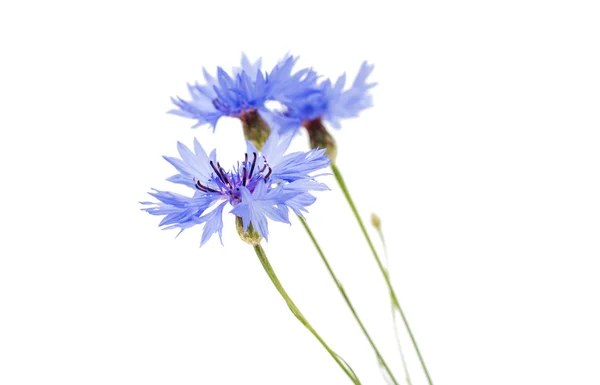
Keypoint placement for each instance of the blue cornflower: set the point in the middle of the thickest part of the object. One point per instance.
(327, 102)
(264, 185)
(244, 93)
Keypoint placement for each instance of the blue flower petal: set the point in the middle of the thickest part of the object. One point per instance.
(256, 207)
(213, 223)
(299, 203)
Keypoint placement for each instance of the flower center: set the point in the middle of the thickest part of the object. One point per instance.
(228, 183)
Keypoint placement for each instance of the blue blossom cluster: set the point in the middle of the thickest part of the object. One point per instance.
(303, 96)
(265, 184)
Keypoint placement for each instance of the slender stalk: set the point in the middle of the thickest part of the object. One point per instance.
(343, 292)
(394, 318)
(340, 180)
(271, 273)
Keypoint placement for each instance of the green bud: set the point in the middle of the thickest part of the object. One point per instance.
(375, 221)
(256, 130)
(249, 236)
(320, 138)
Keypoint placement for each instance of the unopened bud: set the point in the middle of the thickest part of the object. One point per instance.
(256, 130)
(376, 221)
(320, 138)
(249, 236)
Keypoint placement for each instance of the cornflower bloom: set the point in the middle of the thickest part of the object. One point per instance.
(264, 185)
(244, 94)
(328, 102)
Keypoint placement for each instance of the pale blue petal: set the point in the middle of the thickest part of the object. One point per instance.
(213, 223)
(299, 203)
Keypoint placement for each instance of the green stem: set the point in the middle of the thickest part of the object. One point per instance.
(340, 180)
(385, 255)
(343, 292)
(271, 273)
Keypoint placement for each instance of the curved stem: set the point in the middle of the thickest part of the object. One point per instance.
(271, 273)
(340, 180)
(394, 318)
(343, 292)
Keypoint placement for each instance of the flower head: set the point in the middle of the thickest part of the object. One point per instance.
(328, 101)
(263, 186)
(243, 93)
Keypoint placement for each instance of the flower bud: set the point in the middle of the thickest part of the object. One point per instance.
(375, 221)
(250, 236)
(256, 130)
(320, 138)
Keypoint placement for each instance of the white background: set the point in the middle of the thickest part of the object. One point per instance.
(480, 155)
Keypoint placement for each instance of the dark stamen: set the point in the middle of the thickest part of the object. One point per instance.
(268, 174)
(216, 171)
(201, 187)
(224, 174)
(253, 164)
(245, 171)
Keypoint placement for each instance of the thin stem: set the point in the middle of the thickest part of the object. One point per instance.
(394, 318)
(271, 273)
(340, 180)
(343, 292)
